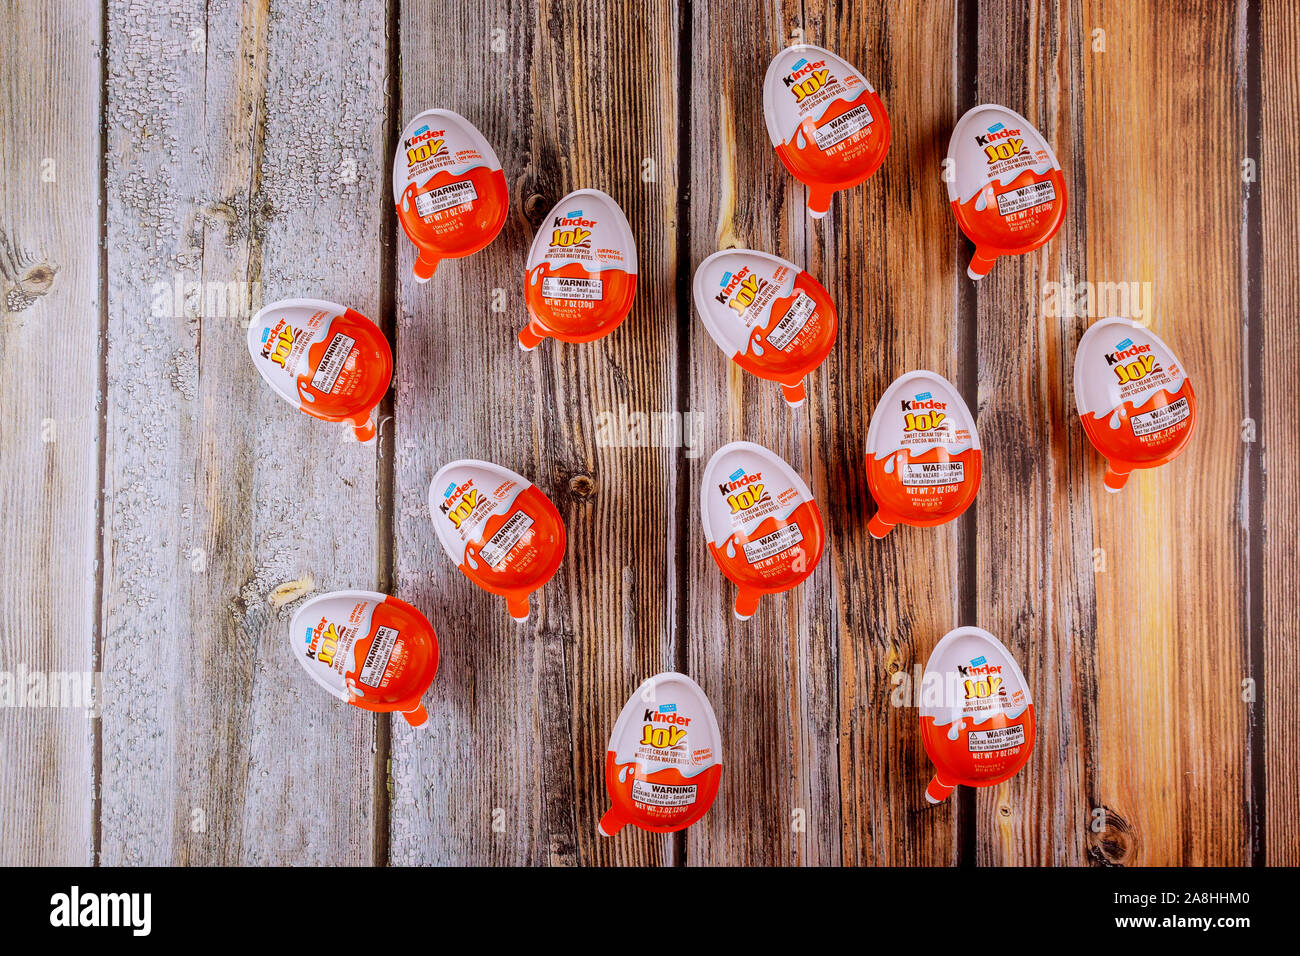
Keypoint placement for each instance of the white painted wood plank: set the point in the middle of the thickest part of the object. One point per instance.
(49, 372)
(245, 145)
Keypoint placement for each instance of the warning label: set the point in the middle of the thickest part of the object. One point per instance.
(1026, 197)
(842, 127)
(981, 741)
(792, 323)
(773, 543)
(663, 794)
(507, 536)
(381, 649)
(933, 473)
(331, 363)
(561, 287)
(1158, 418)
(444, 197)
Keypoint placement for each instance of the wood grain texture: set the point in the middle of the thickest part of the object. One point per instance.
(1135, 669)
(772, 680)
(886, 255)
(1171, 638)
(244, 146)
(805, 709)
(49, 436)
(1034, 571)
(511, 771)
(1279, 301)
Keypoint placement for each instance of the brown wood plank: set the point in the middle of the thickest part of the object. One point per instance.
(49, 440)
(1279, 301)
(1034, 583)
(888, 262)
(804, 706)
(1136, 669)
(579, 95)
(245, 145)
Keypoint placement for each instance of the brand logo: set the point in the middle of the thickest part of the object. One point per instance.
(277, 342)
(743, 490)
(987, 684)
(745, 284)
(922, 413)
(739, 479)
(1144, 362)
(671, 737)
(572, 229)
(131, 910)
(424, 144)
(909, 404)
(1001, 143)
(459, 510)
(807, 79)
(322, 642)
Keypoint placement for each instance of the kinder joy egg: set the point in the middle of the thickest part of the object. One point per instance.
(977, 718)
(581, 272)
(1133, 396)
(328, 360)
(923, 454)
(1008, 192)
(502, 532)
(826, 121)
(761, 522)
(665, 758)
(367, 649)
(449, 189)
(773, 319)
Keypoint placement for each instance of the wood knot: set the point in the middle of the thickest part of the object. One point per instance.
(221, 210)
(38, 279)
(536, 206)
(582, 486)
(1116, 843)
(30, 286)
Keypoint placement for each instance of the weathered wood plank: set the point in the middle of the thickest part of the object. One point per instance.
(49, 439)
(1034, 578)
(805, 709)
(1136, 668)
(887, 259)
(772, 679)
(570, 96)
(1279, 302)
(245, 146)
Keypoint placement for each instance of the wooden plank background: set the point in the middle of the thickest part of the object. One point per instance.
(164, 511)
